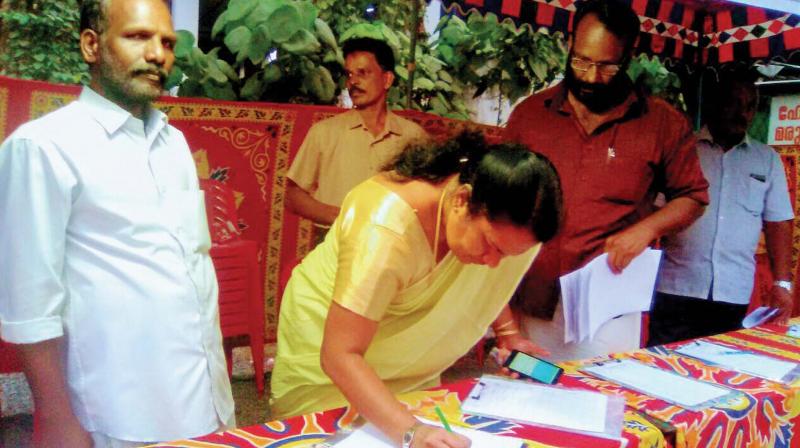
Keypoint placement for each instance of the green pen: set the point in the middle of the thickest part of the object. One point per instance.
(442, 419)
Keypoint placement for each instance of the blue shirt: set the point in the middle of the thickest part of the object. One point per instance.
(747, 185)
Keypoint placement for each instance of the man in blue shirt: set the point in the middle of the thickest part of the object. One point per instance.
(706, 277)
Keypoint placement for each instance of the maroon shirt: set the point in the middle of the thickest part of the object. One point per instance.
(609, 178)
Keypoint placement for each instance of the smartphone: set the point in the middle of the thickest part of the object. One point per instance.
(534, 368)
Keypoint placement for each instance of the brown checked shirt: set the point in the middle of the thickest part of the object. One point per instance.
(609, 178)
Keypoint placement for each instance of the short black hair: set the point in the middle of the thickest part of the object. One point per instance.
(616, 16)
(94, 15)
(381, 50)
(508, 180)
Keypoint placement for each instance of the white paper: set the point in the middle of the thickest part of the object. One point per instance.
(739, 360)
(370, 436)
(758, 316)
(539, 404)
(659, 383)
(794, 331)
(593, 295)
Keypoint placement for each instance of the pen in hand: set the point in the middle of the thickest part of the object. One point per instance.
(440, 414)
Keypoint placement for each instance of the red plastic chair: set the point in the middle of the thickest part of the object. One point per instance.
(241, 298)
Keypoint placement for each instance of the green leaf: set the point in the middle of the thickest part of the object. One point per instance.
(260, 14)
(401, 72)
(260, 43)
(272, 73)
(308, 13)
(303, 42)
(321, 84)
(252, 89)
(175, 77)
(225, 68)
(238, 39)
(325, 33)
(213, 71)
(423, 83)
(284, 23)
(183, 47)
(220, 24)
(238, 9)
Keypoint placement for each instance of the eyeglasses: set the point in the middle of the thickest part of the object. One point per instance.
(603, 68)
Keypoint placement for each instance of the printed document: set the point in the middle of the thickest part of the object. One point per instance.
(739, 360)
(520, 401)
(666, 385)
(370, 436)
(593, 295)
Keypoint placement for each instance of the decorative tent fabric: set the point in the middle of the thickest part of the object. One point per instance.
(696, 33)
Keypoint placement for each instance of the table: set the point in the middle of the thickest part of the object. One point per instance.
(767, 414)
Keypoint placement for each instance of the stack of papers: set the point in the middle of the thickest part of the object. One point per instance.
(370, 436)
(593, 295)
(742, 361)
(571, 409)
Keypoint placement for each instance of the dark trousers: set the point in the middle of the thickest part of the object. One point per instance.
(677, 318)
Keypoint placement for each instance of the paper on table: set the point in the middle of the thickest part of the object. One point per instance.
(370, 436)
(539, 404)
(793, 331)
(739, 360)
(758, 316)
(668, 386)
(593, 295)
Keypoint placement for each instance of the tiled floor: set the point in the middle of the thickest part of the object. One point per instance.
(250, 409)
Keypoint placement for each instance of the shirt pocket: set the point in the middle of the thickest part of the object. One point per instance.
(622, 179)
(752, 199)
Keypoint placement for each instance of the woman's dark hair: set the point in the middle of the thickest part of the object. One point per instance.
(508, 180)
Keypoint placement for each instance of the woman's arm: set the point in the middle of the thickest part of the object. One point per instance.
(347, 337)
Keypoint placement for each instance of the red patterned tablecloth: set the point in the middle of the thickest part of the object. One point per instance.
(305, 430)
(765, 414)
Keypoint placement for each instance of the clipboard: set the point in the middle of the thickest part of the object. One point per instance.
(489, 398)
(653, 381)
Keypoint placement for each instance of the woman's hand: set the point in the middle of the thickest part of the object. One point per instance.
(427, 436)
(505, 344)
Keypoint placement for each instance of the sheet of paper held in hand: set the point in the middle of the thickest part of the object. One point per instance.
(666, 385)
(538, 404)
(741, 361)
(370, 436)
(593, 295)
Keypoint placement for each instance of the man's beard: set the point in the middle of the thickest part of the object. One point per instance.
(598, 97)
(126, 84)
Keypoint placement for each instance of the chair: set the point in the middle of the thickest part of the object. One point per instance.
(241, 298)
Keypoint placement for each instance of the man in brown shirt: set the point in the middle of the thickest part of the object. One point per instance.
(614, 149)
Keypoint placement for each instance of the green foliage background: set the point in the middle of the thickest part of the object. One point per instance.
(39, 40)
(289, 51)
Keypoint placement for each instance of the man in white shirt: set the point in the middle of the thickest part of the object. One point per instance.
(342, 151)
(105, 279)
(706, 276)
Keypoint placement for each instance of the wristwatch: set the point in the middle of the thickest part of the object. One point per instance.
(785, 284)
(408, 436)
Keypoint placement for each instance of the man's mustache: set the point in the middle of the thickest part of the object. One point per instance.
(151, 70)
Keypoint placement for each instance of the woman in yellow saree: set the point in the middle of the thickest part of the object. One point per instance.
(421, 260)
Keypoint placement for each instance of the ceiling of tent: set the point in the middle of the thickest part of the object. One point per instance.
(696, 32)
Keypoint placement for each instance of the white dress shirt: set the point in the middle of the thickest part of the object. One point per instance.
(747, 185)
(104, 240)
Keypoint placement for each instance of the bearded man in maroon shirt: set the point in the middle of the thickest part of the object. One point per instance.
(615, 150)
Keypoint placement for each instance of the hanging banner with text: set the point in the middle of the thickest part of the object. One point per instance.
(784, 121)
